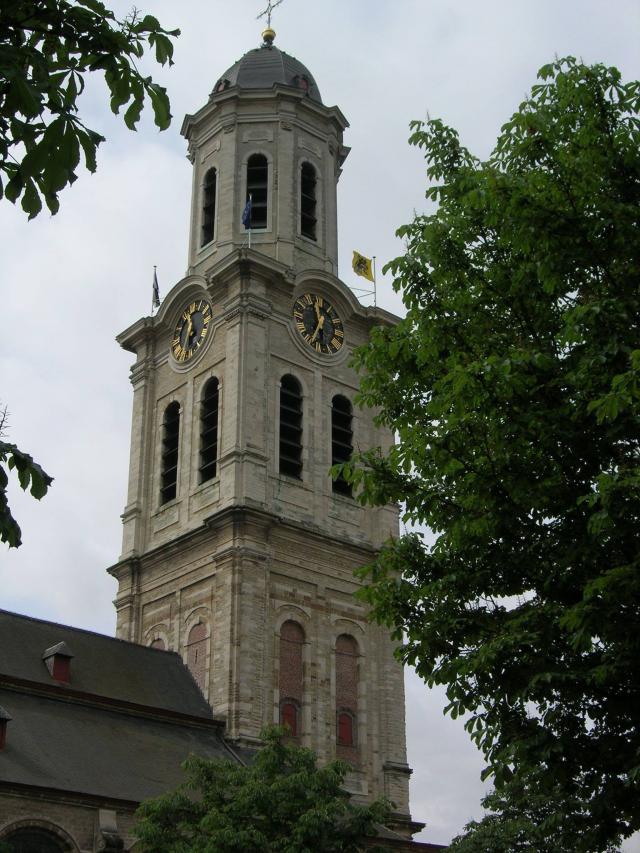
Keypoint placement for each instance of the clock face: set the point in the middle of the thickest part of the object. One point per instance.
(318, 322)
(191, 330)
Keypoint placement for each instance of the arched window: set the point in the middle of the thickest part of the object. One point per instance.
(290, 427)
(257, 189)
(32, 839)
(346, 697)
(208, 206)
(209, 431)
(169, 462)
(341, 439)
(158, 644)
(308, 201)
(197, 653)
(291, 676)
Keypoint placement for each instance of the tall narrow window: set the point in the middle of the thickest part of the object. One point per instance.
(209, 431)
(197, 653)
(290, 427)
(341, 439)
(291, 676)
(257, 188)
(308, 201)
(208, 206)
(346, 697)
(170, 441)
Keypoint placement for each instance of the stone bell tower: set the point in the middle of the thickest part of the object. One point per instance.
(239, 550)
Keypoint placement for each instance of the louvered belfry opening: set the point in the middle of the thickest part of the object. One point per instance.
(257, 188)
(209, 432)
(290, 427)
(308, 201)
(170, 441)
(341, 440)
(208, 206)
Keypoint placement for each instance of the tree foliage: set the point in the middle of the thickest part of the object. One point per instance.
(47, 47)
(513, 385)
(281, 803)
(30, 476)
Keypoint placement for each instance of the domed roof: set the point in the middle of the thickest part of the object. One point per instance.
(265, 66)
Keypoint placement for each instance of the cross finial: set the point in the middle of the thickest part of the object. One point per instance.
(270, 7)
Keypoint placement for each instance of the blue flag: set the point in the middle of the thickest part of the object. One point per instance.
(246, 214)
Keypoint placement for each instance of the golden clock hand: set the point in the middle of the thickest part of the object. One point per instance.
(319, 327)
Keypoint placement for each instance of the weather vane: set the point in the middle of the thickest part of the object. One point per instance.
(270, 7)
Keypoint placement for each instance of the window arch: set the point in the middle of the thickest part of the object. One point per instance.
(308, 219)
(258, 189)
(209, 431)
(197, 653)
(290, 427)
(341, 440)
(208, 206)
(291, 675)
(346, 697)
(158, 643)
(169, 461)
(34, 839)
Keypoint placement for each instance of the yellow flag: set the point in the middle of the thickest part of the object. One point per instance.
(362, 266)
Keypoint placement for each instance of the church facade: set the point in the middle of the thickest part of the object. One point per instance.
(239, 548)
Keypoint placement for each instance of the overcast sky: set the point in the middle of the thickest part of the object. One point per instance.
(70, 283)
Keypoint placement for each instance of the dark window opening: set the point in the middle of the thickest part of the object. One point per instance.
(308, 201)
(290, 427)
(341, 440)
(170, 439)
(209, 432)
(34, 840)
(208, 206)
(257, 189)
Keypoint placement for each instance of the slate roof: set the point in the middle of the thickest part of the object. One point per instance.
(102, 666)
(119, 730)
(265, 66)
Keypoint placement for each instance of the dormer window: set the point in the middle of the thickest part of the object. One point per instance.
(5, 717)
(302, 82)
(58, 661)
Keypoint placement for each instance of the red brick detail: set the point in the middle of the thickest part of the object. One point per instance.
(158, 644)
(345, 729)
(291, 674)
(197, 653)
(289, 717)
(61, 668)
(346, 697)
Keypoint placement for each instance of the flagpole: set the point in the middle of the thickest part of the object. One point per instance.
(375, 296)
(153, 289)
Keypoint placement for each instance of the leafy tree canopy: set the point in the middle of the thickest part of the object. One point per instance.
(30, 476)
(282, 803)
(46, 49)
(513, 385)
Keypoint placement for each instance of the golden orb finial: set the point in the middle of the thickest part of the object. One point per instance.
(268, 36)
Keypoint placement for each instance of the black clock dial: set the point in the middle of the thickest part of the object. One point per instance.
(191, 330)
(318, 322)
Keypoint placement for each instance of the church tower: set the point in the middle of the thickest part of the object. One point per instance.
(239, 550)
